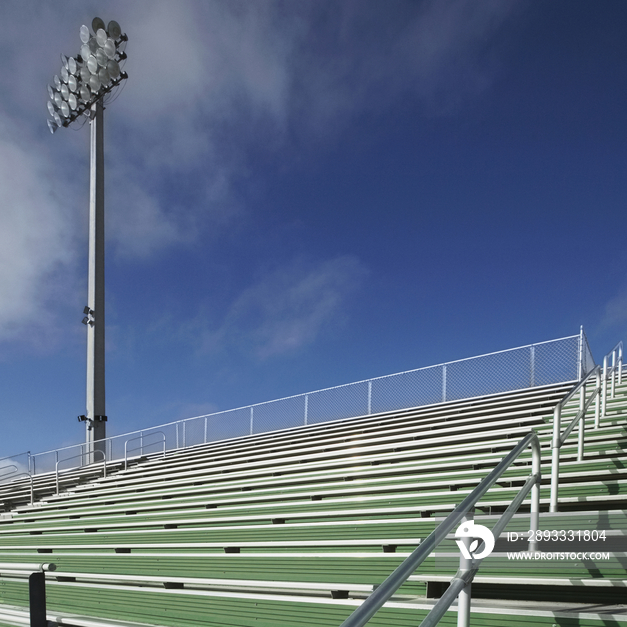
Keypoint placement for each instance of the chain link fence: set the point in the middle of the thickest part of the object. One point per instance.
(545, 363)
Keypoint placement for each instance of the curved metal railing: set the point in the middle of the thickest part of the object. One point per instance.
(60, 461)
(140, 448)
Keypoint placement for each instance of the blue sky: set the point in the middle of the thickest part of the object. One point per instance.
(305, 194)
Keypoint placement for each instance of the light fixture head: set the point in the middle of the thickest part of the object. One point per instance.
(84, 93)
(51, 108)
(84, 33)
(96, 24)
(50, 92)
(101, 57)
(85, 52)
(92, 64)
(104, 77)
(113, 68)
(94, 83)
(52, 126)
(101, 37)
(114, 30)
(72, 66)
(109, 48)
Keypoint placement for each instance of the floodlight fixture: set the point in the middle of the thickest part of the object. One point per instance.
(109, 48)
(101, 37)
(84, 33)
(114, 30)
(81, 88)
(88, 77)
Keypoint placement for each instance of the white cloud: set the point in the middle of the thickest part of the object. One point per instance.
(287, 309)
(36, 243)
(615, 314)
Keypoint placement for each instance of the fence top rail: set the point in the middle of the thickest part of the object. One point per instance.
(304, 394)
(14, 456)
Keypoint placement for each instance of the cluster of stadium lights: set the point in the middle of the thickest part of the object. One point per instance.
(90, 75)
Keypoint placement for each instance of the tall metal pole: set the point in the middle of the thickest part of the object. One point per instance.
(96, 413)
(84, 83)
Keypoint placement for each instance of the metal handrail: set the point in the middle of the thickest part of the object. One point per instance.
(14, 456)
(141, 446)
(21, 474)
(9, 474)
(60, 461)
(600, 394)
(383, 592)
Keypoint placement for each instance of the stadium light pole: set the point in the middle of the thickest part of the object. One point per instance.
(79, 93)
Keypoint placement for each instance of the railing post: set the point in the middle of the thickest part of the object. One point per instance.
(369, 397)
(444, 383)
(464, 597)
(582, 422)
(56, 469)
(597, 403)
(555, 462)
(251, 419)
(614, 374)
(306, 407)
(604, 388)
(532, 363)
(205, 437)
(536, 469)
(620, 363)
(580, 355)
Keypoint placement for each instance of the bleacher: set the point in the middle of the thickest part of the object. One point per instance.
(296, 527)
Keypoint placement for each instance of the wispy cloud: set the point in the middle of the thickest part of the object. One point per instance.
(287, 309)
(615, 314)
(37, 242)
